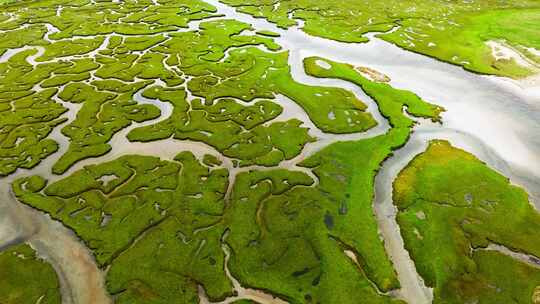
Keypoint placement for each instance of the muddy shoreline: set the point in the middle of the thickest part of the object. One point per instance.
(494, 118)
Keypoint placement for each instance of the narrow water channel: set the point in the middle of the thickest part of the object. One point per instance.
(496, 119)
(493, 118)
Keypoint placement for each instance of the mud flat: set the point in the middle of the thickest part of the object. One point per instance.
(484, 116)
(504, 117)
(81, 281)
(495, 119)
(412, 283)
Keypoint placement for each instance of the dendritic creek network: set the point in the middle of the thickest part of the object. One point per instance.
(269, 151)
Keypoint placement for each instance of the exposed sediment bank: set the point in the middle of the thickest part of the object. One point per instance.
(496, 119)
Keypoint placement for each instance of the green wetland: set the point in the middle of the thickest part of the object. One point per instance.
(173, 151)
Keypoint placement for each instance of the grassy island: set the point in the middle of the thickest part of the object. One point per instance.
(465, 33)
(455, 215)
(26, 279)
(287, 233)
(242, 197)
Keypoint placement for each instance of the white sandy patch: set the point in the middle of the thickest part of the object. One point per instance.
(528, 86)
(323, 64)
(502, 51)
(522, 257)
(373, 74)
(531, 81)
(533, 51)
(106, 179)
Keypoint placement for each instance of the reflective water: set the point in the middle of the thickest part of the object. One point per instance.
(496, 119)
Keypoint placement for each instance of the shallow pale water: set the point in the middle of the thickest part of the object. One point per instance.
(495, 119)
(505, 116)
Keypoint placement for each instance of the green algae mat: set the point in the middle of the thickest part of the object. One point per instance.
(81, 82)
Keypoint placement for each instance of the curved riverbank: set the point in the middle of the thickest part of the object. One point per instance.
(495, 121)
(80, 279)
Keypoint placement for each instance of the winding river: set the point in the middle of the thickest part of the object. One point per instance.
(496, 119)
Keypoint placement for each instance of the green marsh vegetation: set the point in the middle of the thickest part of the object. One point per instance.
(149, 212)
(347, 169)
(287, 234)
(452, 31)
(29, 114)
(101, 116)
(233, 129)
(303, 239)
(391, 102)
(26, 117)
(452, 207)
(26, 279)
(215, 62)
(145, 207)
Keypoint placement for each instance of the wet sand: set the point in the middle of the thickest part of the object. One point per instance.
(494, 118)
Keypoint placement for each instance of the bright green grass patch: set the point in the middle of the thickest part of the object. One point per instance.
(233, 129)
(105, 84)
(69, 48)
(251, 73)
(150, 212)
(17, 38)
(267, 214)
(391, 102)
(337, 212)
(264, 74)
(101, 116)
(466, 44)
(286, 236)
(26, 279)
(26, 117)
(82, 18)
(451, 206)
(177, 214)
(268, 33)
(171, 218)
(452, 31)
(347, 170)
